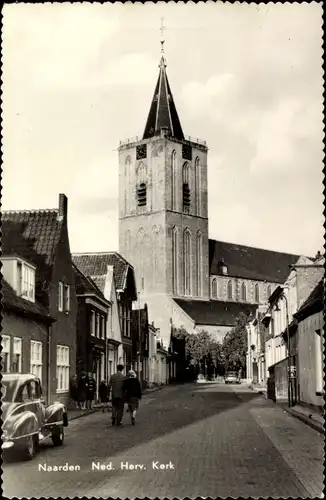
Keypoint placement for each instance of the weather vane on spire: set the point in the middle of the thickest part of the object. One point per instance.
(162, 34)
(162, 38)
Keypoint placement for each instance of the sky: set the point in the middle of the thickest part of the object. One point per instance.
(247, 78)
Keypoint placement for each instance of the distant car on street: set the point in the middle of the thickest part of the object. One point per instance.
(232, 377)
(26, 419)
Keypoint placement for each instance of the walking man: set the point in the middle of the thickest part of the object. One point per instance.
(116, 383)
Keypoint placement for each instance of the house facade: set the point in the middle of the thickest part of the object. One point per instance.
(37, 265)
(140, 339)
(92, 320)
(284, 303)
(115, 278)
(308, 335)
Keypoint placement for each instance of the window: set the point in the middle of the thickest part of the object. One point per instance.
(319, 361)
(97, 326)
(141, 151)
(186, 152)
(67, 298)
(214, 288)
(175, 260)
(141, 268)
(155, 252)
(187, 262)
(230, 290)
(185, 188)
(62, 368)
(141, 185)
(26, 281)
(197, 186)
(127, 183)
(199, 263)
(103, 327)
(92, 323)
(269, 291)
(36, 359)
(5, 354)
(173, 181)
(243, 292)
(256, 292)
(17, 355)
(60, 306)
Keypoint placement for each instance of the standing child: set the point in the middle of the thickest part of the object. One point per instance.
(103, 394)
(91, 389)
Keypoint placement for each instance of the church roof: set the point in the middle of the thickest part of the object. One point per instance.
(214, 312)
(249, 262)
(163, 113)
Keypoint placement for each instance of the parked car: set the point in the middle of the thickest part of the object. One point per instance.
(232, 377)
(27, 420)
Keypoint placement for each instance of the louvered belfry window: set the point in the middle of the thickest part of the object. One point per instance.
(142, 195)
(185, 188)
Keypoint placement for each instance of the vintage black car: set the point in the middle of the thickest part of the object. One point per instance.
(26, 419)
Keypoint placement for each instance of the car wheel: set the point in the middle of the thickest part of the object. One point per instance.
(30, 447)
(58, 436)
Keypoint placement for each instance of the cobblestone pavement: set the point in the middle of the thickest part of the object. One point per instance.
(216, 440)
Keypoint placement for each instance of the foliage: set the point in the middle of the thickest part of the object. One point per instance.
(199, 346)
(234, 346)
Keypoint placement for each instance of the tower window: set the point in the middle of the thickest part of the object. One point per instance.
(142, 194)
(185, 188)
(141, 151)
(186, 152)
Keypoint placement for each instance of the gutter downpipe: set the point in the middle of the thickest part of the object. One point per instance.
(49, 366)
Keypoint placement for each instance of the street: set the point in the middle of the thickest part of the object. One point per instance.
(190, 440)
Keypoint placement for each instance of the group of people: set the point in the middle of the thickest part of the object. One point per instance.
(123, 390)
(120, 390)
(83, 390)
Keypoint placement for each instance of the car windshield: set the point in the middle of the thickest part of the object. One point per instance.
(231, 374)
(9, 390)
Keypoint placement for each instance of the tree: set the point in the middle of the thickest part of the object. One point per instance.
(201, 349)
(234, 347)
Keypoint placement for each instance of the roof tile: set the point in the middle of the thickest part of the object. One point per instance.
(214, 312)
(249, 262)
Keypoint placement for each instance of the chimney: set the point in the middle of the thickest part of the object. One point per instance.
(63, 206)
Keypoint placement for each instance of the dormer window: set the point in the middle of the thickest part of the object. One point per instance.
(26, 281)
(223, 267)
(20, 275)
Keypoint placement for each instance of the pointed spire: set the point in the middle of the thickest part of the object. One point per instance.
(163, 113)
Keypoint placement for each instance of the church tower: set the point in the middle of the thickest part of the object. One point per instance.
(163, 219)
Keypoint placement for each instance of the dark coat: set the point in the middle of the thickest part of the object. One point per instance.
(132, 388)
(103, 392)
(91, 385)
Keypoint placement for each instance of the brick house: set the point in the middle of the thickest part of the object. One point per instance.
(92, 318)
(38, 275)
(96, 265)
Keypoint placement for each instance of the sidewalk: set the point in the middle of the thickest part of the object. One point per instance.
(306, 415)
(74, 413)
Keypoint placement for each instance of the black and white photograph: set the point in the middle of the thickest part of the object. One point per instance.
(162, 250)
